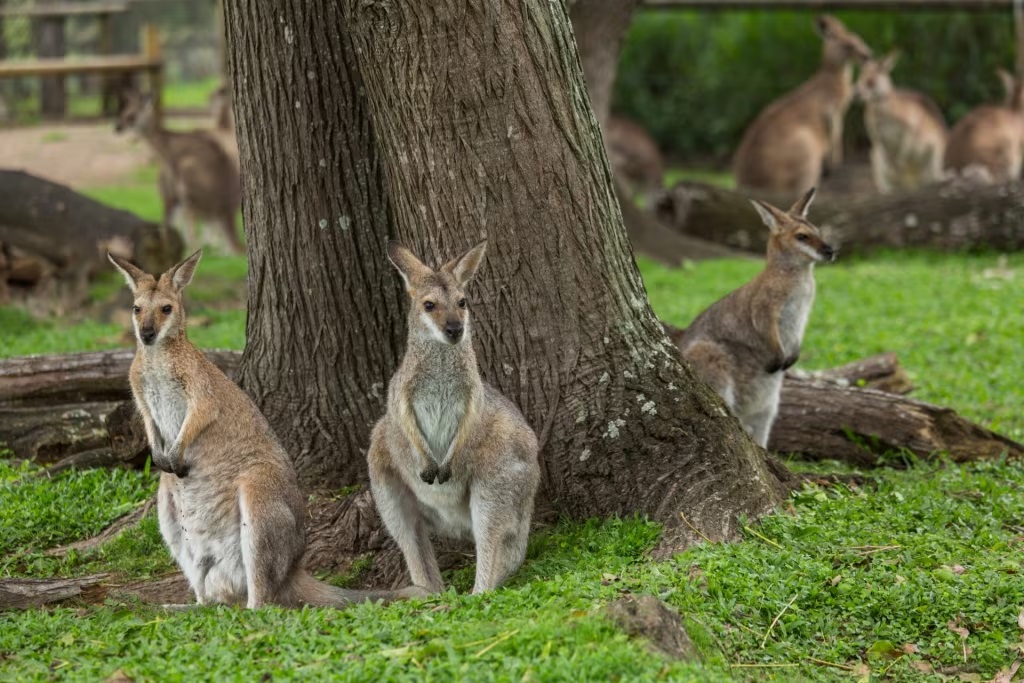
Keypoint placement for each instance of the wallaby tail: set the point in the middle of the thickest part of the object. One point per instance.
(310, 591)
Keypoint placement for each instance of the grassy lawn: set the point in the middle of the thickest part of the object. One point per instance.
(841, 585)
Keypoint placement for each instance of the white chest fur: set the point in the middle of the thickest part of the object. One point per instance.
(439, 409)
(794, 314)
(165, 398)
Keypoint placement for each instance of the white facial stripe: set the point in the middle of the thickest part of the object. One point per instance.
(436, 332)
(810, 251)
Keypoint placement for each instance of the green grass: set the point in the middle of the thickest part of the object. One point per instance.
(873, 578)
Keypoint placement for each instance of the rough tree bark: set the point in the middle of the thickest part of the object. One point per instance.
(485, 129)
(324, 327)
(954, 216)
(600, 27)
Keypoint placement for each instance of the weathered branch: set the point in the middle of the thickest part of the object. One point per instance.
(26, 593)
(954, 216)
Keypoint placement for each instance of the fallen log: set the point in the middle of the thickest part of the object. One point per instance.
(56, 239)
(841, 414)
(27, 593)
(957, 215)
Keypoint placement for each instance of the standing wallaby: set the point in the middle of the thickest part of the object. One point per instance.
(907, 130)
(195, 173)
(451, 456)
(988, 142)
(223, 130)
(742, 344)
(229, 505)
(634, 157)
(796, 137)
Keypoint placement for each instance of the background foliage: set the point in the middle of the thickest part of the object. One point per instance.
(695, 80)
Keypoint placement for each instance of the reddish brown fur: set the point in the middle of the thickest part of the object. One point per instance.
(989, 141)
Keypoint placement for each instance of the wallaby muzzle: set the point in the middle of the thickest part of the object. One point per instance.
(453, 331)
(147, 334)
(827, 252)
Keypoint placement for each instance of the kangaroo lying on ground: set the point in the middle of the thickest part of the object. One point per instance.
(988, 142)
(196, 174)
(634, 157)
(229, 505)
(907, 130)
(794, 138)
(742, 344)
(452, 456)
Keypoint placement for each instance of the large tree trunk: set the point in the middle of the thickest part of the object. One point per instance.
(324, 327)
(953, 216)
(485, 129)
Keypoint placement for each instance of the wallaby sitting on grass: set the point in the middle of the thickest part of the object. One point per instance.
(196, 174)
(988, 142)
(229, 505)
(907, 130)
(452, 456)
(742, 344)
(789, 144)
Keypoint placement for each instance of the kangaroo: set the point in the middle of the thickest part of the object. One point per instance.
(451, 456)
(799, 135)
(741, 344)
(988, 141)
(195, 172)
(223, 130)
(634, 156)
(229, 505)
(907, 130)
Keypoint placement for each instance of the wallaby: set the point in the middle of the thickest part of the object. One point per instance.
(907, 130)
(229, 505)
(988, 142)
(196, 174)
(798, 136)
(634, 156)
(741, 344)
(223, 130)
(451, 456)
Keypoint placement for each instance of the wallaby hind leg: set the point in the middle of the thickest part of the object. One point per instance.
(230, 228)
(501, 515)
(269, 540)
(404, 521)
(713, 365)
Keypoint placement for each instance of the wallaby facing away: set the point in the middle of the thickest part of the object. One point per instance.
(788, 145)
(451, 456)
(195, 173)
(229, 506)
(741, 344)
(988, 142)
(907, 130)
(634, 156)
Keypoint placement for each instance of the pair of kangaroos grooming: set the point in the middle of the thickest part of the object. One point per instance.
(451, 456)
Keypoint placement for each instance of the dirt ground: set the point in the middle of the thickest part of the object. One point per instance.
(76, 154)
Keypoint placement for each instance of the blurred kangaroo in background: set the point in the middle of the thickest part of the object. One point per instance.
(223, 130)
(196, 175)
(229, 505)
(451, 456)
(634, 157)
(907, 130)
(797, 136)
(988, 142)
(742, 344)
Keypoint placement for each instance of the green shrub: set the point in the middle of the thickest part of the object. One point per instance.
(697, 79)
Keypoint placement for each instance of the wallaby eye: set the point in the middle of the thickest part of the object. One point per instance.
(462, 303)
(802, 237)
(167, 310)
(136, 309)
(428, 305)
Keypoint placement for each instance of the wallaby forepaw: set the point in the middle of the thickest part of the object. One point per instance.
(444, 473)
(790, 361)
(430, 473)
(775, 366)
(182, 470)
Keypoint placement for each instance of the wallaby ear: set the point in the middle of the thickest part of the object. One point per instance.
(801, 206)
(822, 24)
(132, 274)
(465, 267)
(890, 60)
(410, 267)
(769, 214)
(181, 274)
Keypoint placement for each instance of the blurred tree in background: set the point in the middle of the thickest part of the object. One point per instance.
(696, 79)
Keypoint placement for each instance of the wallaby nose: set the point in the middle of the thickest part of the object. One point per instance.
(828, 252)
(147, 334)
(453, 330)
